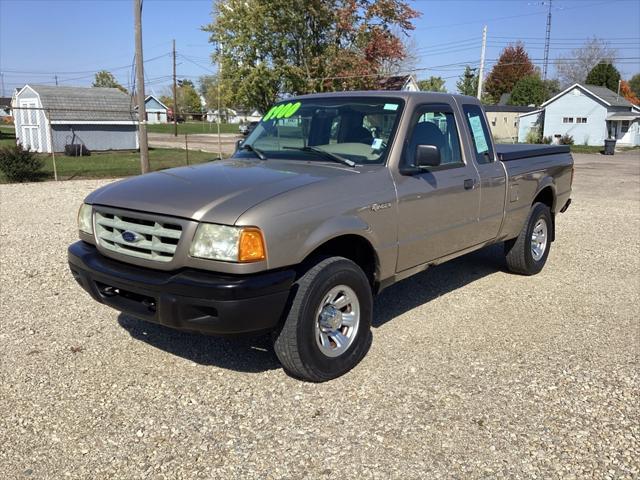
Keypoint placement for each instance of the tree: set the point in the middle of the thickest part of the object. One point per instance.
(432, 84)
(467, 84)
(188, 98)
(273, 48)
(634, 84)
(574, 67)
(604, 75)
(208, 88)
(106, 79)
(530, 90)
(514, 63)
(626, 92)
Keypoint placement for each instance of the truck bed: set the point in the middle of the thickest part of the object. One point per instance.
(508, 152)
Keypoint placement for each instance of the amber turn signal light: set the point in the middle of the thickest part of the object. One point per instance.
(252, 247)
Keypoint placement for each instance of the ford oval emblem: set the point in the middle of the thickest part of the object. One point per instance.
(131, 237)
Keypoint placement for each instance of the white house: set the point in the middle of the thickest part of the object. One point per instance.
(527, 122)
(405, 83)
(47, 118)
(155, 109)
(590, 114)
(229, 115)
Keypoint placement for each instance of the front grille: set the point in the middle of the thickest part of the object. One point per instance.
(138, 237)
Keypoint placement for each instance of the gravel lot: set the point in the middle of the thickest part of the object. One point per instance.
(473, 372)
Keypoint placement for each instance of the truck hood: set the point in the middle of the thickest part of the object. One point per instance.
(217, 192)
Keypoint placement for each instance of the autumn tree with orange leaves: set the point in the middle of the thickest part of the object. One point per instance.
(271, 48)
(626, 92)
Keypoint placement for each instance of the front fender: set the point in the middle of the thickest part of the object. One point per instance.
(335, 227)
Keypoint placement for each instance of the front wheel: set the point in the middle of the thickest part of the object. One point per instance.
(327, 329)
(528, 253)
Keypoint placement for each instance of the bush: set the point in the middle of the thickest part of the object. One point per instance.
(547, 140)
(20, 165)
(566, 139)
(533, 136)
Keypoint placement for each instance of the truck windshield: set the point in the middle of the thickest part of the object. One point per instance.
(356, 129)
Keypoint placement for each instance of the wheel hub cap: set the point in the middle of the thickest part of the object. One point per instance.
(337, 321)
(330, 318)
(539, 239)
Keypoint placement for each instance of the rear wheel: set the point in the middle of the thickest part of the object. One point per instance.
(527, 254)
(327, 329)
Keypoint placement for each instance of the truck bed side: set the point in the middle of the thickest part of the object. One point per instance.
(535, 173)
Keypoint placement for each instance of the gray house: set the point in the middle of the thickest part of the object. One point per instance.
(50, 117)
(5, 107)
(588, 113)
(156, 110)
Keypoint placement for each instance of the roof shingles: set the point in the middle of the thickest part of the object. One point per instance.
(86, 104)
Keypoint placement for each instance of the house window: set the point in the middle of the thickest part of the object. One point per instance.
(505, 119)
(567, 120)
(625, 126)
(493, 121)
(581, 119)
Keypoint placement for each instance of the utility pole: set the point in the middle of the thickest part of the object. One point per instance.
(175, 94)
(142, 114)
(219, 101)
(482, 54)
(547, 41)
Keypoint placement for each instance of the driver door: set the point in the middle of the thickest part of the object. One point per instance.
(438, 206)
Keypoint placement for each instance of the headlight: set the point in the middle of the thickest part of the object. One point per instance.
(85, 222)
(231, 244)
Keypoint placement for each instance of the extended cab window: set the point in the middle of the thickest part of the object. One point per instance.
(479, 133)
(436, 128)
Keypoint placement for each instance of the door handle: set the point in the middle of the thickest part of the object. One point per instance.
(469, 183)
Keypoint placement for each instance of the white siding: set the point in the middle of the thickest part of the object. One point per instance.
(525, 124)
(577, 105)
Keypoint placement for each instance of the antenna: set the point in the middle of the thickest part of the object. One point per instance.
(547, 40)
(547, 37)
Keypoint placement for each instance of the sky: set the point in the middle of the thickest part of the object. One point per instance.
(42, 39)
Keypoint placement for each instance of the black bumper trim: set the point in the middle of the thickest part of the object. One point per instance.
(186, 299)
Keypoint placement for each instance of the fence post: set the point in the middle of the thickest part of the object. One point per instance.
(53, 150)
(186, 147)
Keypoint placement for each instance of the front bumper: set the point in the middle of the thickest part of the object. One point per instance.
(186, 299)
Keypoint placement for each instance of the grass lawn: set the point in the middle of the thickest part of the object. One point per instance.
(7, 135)
(193, 127)
(586, 149)
(121, 164)
(117, 164)
(108, 164)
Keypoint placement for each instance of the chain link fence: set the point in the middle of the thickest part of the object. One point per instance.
(81, 142)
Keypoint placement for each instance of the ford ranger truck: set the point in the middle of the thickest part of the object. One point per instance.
(331, 199)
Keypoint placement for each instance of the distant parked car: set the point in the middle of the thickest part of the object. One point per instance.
(247, 128)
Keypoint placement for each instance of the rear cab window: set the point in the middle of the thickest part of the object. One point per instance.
(480, 134)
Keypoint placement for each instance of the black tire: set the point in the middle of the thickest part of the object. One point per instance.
(518, 252)
(296, 345)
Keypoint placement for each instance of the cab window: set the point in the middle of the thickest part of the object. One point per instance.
(436, 128)
(480, 134)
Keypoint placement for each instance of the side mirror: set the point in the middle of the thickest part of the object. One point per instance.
(239, 144)
(427, 156)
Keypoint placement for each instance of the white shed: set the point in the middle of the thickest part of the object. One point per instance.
(47, 118)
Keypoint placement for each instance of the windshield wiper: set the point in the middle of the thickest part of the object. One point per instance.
(333, 156)
(259, 153)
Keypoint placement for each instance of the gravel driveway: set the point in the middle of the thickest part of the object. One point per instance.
(473, 372)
